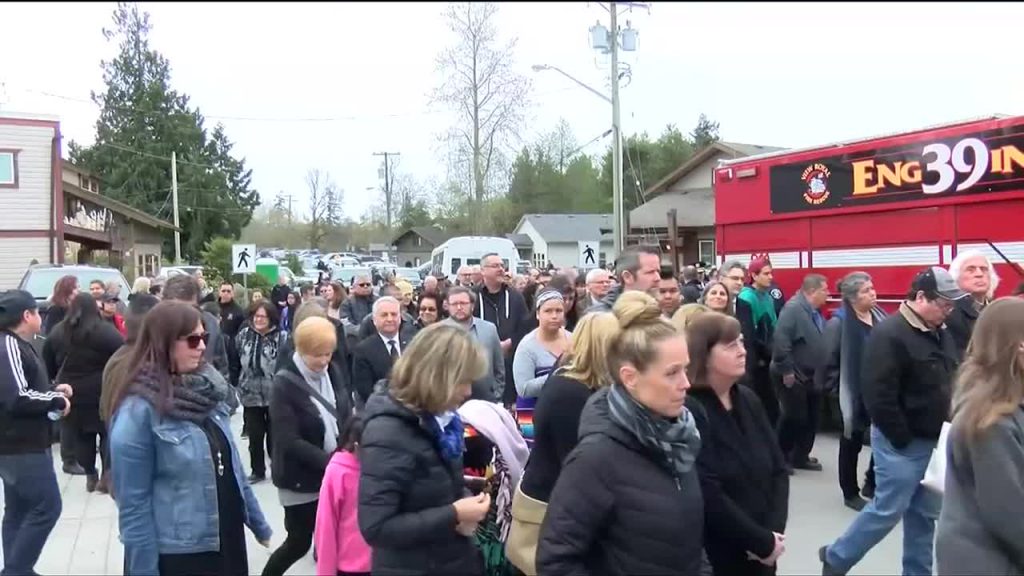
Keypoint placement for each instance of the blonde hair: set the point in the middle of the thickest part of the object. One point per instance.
(990, 384)
(587, 360)
(314, 336)
(641, 328)
(685, 315)
(439, 359)
(141, 285)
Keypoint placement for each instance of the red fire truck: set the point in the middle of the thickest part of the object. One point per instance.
(888, 205)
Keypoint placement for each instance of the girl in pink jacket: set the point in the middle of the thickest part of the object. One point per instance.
(340, 548)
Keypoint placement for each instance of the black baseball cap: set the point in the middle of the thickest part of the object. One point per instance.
(13, 305)
(937, 281)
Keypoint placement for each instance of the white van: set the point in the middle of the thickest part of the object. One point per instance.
(460, 251)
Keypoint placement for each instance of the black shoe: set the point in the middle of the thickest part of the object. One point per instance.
(257, 478)
(91, 480)
(74, 468)
(813, 460)
(856, 503)
(813, 466)
(826, 568)
(868, 491)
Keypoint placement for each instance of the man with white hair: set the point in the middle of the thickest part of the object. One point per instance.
(464, 277)
(599, 282)
(373, 357)
(975, 275)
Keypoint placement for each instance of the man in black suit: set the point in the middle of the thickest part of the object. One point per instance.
(373, 357)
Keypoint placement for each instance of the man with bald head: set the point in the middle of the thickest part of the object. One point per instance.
(464, 277)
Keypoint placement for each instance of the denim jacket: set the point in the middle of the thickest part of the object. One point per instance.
(166, 491)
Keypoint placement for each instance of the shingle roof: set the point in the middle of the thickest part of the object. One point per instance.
(569, 227)
(732, 149)
(431, 234)
(520, 240)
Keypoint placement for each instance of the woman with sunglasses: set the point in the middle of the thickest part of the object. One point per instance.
(429, 311)
(183, 500)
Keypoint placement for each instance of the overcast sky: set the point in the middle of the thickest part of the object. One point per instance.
(773, 74)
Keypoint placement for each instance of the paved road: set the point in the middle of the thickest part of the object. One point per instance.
(85, 539)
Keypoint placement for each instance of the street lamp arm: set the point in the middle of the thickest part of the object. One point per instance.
(579, 83)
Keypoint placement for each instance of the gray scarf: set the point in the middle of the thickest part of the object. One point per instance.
(193, 396)
(677, 440)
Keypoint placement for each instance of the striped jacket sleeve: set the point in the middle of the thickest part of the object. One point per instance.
(15, 392)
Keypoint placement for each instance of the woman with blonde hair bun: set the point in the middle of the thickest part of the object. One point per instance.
(637, 453)
(979, 529)
(685, 315)
(412, 511)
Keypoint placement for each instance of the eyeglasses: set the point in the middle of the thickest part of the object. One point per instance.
(193, 340)
(363, 284)
(427, 309)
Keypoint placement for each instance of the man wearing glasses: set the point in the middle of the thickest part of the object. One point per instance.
(910, 361)
(504, 307)
(359, 304)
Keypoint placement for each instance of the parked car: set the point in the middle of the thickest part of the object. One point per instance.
(345, 275)
(411, 275)
(189, 269)
(40, 279)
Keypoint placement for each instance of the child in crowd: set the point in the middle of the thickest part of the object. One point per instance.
(340, 548)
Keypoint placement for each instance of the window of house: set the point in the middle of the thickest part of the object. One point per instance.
(540, 260)
(706, 251)
(8, 168)
(417, 262)
(419, 241)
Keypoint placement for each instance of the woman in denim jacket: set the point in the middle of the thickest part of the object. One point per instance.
(182, 495)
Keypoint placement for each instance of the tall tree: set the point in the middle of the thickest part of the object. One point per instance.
(482, 87)
(142, 121)
(705, 133)
(324, 206)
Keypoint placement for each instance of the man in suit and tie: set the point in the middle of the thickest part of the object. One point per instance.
(373, 357)
(461, 301)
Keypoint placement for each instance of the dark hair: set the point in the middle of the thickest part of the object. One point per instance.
(629, 259)
(271, 310)
(666, 273)
(62, 290)
(183, 288)
(138, 307)
(82, 320)
(100, 282)
(227, 283)
(429, 296)
(156, 289)
(461, 290)
(351, 433)
(168, 322)
(702, 333)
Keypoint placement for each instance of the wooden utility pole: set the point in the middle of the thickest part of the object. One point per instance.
(673, 234)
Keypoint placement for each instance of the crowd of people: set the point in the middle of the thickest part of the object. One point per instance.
(608, 422)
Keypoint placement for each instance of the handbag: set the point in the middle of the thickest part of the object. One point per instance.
(935, 476)
(524, 532)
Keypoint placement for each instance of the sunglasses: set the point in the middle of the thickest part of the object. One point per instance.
(363, 284)
(427, 309)
(193, 340)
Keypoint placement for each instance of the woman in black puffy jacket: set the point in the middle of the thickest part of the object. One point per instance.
(628, 499)
(414, 509)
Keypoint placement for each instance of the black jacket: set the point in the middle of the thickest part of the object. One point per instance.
(691, 292)
(960, 324)
(798, 344)
(406, 492)
(907, 377)
(26, 395)
(556, 425)
(371, 362)
(54, 315)
(232, 318)
(83, 367)
(743, 478)
(367, 328)
(297, 433)
(616, 509)
(508, 312)
(355, 308)
(280, 294)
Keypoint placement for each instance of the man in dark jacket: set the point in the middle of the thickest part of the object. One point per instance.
(28, 403)
(637, 268)
(359, 304)
(279, 294)
(692, 287)
(907, 377)
(974, 274)
(798, 353)
(232, 318)
(373, 358)
(506, 309)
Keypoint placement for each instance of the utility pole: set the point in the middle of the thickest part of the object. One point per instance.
(174, 197)
(289, 197)
(617, 211)
(387, 183)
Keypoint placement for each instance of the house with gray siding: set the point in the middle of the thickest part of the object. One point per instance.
(556, 237)
(414, 245)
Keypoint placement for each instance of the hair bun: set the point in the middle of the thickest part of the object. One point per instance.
(636, 309)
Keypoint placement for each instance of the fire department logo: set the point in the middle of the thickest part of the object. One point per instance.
(815, 178)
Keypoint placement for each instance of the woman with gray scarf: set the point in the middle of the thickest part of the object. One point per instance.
(628, 499)
(309, 403)
(845, 336)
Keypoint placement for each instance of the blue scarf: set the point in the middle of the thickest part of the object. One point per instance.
(451, 440)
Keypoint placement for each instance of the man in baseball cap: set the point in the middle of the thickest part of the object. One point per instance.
(907, 373)
(28, 402)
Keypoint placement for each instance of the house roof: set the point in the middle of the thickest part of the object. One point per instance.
(432, 234)
(733, 149)
(694, 209)
(116, 206)
(569, 227)
(520, 240)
